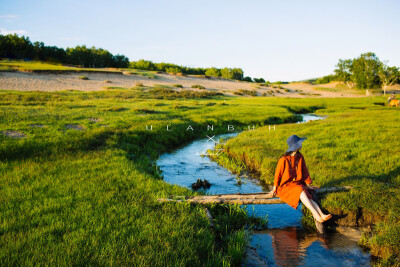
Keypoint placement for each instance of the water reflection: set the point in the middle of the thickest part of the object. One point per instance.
(293, 246)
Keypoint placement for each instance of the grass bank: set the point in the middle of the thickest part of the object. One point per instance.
(355, 145)
(79, 184)
(57, 68)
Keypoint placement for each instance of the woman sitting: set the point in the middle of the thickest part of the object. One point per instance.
(292, 180)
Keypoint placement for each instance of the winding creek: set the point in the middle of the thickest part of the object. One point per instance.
(286, 242)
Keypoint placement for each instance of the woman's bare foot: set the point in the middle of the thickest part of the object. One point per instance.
(318, 219)
(326, 217)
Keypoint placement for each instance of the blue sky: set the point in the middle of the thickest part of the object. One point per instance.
(277, 40)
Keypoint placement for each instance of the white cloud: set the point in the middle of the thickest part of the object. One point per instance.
(19, 32)
(8, 16)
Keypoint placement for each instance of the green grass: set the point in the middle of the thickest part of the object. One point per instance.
(340, 87)
(247, 92)
(355, 145)
(319, 88)
(198, 86)
(89, 197)
(37, 66)
(145, 73)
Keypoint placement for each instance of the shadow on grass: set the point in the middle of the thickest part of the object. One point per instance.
(382, 178)
(302, 109)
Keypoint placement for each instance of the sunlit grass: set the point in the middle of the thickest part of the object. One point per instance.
(355, 145)
(31, 66)
(81, 188)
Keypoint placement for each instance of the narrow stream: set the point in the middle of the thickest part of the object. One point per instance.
(285, 243)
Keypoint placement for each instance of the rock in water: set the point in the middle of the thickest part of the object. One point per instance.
(201, 184)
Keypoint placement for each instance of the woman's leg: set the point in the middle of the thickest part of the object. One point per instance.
(307, 202)
(321, 214)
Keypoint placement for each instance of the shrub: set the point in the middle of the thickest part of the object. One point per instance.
(83, 77)
(248, 92)
(259, 80)
(168, 93)
(173, 70)
(139, 84)
(144, 110)
(326, 79)
(287, 90)
(198, 86)
(177, 85)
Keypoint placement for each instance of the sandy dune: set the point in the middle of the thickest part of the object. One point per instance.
(24, 81)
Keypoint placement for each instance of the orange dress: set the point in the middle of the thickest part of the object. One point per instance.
(291, 177)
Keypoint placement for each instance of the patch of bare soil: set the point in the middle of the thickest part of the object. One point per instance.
(95, 120)
(38, 125)
(13, 134)
(75, 127)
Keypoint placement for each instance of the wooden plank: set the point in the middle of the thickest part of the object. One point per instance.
(243, 199)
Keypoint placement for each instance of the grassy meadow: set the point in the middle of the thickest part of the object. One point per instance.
(81, 185)
(48, 67)
(357, 145)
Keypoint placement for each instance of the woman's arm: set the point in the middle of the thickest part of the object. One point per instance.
(305, 175)
(279, 172)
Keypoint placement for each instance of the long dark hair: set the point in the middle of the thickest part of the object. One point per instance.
(290, 152)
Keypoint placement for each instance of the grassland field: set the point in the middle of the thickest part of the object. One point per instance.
(357, 145)
(80, 184)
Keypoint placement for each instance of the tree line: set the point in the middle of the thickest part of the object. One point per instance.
(227, 73)
(14, 47)
(364, 72)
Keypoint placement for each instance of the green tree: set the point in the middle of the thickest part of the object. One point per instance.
(15, 47)
(173, 70)
(234, 73)
(226, 73)
(248, 79)
(142, 65)
(213, 72)
(388, 76)
(344, 71)
(121, 61)
(365, 71)
(237, 74)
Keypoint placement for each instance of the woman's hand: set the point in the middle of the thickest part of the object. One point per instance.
(313, 187)
(274, 190)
